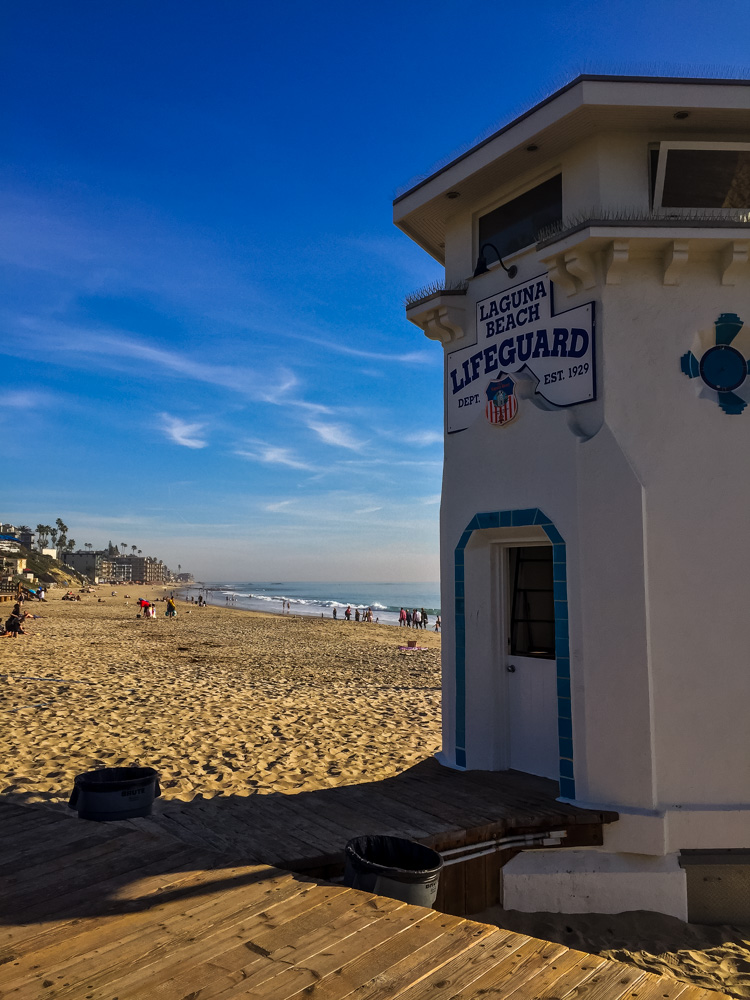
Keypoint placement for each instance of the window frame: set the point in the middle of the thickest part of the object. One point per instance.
(516, 192)
(661, 170)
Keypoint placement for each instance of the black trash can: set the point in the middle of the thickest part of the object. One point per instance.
(115, 793)
(390, 866)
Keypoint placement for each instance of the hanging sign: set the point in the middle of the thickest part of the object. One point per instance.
(517, 332)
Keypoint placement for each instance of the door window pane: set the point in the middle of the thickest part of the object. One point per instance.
(532, 608)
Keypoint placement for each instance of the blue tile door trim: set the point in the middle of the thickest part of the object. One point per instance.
(513, 519)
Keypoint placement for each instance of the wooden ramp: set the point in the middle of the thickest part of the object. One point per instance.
(124, 911)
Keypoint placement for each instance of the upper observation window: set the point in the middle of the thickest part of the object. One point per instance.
(516, 224)
(701, 175)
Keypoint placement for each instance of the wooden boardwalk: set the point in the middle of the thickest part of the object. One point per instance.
(126, 911)
(434, 805)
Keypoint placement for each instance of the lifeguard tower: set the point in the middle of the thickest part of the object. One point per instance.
(595, 520)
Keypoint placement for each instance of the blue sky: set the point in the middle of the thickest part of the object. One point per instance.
(203, 347)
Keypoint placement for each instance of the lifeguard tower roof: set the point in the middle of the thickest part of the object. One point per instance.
(587, 106)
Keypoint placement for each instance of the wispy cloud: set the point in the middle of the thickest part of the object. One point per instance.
(336, 434)
(22, 399)
(424, 437)
(274, 455)
(410, 358)
(181, 432)
(111, 347)
(278, 507)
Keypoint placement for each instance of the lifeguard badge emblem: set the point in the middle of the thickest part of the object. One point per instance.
(502, 405)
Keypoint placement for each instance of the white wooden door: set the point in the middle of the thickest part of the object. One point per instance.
(532, 707)
(531, 670)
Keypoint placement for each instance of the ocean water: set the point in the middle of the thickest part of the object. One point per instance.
(385, 599)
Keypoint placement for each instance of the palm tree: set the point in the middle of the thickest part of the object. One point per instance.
(134, 548)
(63, 529)
(53, 535)
(124, 548)
(43, 531)
(88, 545)
(70, 544)
(139, 551)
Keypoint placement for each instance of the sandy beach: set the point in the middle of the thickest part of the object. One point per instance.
(219, 701)
(235, 703)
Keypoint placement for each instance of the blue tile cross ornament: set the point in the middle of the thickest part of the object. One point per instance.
(722, 367)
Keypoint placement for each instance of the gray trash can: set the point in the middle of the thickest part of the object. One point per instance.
(391, 866)
(115, 793)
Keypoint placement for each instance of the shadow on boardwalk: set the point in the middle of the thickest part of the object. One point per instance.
(50, 859)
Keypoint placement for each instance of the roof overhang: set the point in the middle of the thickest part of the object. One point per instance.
(586, 106)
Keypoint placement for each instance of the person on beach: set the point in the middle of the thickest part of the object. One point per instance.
(408, 619)
(14, 624)
(171, 611)
(416, 617)
(348, 613)
(356, 614)
(402, 617)
(424, 618)
(334, 612)
(437, 624)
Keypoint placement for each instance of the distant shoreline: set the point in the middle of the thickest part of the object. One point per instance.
(180, 595)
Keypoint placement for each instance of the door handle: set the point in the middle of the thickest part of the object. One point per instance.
(510, 668)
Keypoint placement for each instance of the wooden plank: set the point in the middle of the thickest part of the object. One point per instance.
(344, 966)
(655, 987)
(452, 978)
(187, 964)
(417, 815)
(410, 795)
(342, 826)
(448, 815)
(50, 879)
(517, 970)
(475, 876)
(66, 943)
(453, 806)
(349, 819)
(143, 953)
(416, 966)
(151, 880)
(284, 833)
(479, 813)
(699, 993)
(452, 891)
(316, 840)
(86, 901)
(259, 966)
(387, 813)
(238, 967)
(68, 839)
(41, 824)
(564, 974)
(611, 982)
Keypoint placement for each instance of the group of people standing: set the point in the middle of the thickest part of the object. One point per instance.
(365, 615)
(416, 618)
